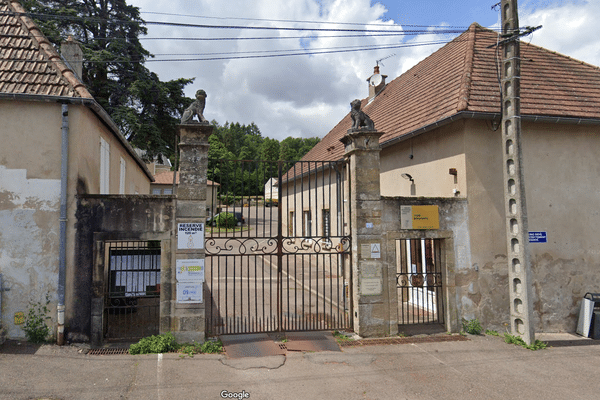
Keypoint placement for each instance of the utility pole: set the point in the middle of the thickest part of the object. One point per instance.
(517, 233)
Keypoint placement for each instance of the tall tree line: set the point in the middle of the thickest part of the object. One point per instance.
(146, 109)
(241, 160)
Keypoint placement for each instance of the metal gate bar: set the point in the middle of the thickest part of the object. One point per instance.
(132, 292)
(264, 274)
(419, 281)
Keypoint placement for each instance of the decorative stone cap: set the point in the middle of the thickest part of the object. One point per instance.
(361, 139)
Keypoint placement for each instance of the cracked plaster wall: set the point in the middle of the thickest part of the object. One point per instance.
(29, 211)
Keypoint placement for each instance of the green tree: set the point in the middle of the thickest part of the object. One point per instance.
(145, 109)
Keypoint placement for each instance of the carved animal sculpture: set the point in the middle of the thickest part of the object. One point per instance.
(196, 108)
(360, 120)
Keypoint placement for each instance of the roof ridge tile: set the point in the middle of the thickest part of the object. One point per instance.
(465, 87)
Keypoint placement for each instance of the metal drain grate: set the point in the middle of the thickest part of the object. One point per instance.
(108, 352)
(402, 340)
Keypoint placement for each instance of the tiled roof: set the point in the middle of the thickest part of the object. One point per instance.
(29, 64)
(166, 178)
(461, 76)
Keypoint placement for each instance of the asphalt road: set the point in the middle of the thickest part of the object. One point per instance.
(483, 367)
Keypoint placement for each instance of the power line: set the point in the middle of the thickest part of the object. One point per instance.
(204, 26)
(289, 37)
(258, 37)
(298, 21)
(375, 47)
(257, 54)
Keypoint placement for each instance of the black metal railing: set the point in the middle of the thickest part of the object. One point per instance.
(284, 263)
(419, 282)
(132, 294)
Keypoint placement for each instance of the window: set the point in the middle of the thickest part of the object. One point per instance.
(104, 166)
(306, 224)
(122, 177)
(168, 191)
(156, 191)
(292, 225)
(326, 223)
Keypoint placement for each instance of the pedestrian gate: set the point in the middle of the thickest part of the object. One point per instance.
(419, 281)
(132, 291)
(281, 260)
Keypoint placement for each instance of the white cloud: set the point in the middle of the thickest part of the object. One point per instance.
(308, 95)
(570, 28)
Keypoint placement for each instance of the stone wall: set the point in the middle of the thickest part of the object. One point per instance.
(453, 232)
(115, 217)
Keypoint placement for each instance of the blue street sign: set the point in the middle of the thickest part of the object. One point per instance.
(538, 237)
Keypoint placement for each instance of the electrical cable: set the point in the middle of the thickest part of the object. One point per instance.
(299, 21)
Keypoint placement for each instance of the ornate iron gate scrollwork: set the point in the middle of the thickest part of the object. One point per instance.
(419, 282)
(287, 266)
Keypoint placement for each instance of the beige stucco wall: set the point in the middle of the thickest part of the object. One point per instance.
(433, 155)
(562, 172)
(315, 193)
(29, 206)
(30, 159)
(561, 176)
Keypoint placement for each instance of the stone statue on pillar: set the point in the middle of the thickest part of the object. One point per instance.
(195, 109)
(360, 120)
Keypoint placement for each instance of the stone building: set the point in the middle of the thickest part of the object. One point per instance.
(42, 102)
(441, 146)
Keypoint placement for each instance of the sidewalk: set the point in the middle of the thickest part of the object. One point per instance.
(483, 367)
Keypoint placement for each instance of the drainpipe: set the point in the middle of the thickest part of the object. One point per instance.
(60, 334)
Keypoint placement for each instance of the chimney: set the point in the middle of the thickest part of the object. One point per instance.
(73, 55)
(376, 83)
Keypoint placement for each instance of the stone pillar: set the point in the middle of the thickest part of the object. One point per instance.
(188, 322)
(370, 293)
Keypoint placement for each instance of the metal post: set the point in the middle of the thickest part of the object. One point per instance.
(279, 244)
(519, 270)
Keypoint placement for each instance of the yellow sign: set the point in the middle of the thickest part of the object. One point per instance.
(420, 217)
(19, 318)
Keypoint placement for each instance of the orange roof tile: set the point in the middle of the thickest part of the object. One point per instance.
(461, 76)
(29, 64)
(166, 178)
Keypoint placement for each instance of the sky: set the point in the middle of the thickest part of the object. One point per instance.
(306, 95)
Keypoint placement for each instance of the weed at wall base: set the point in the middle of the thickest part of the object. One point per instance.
(36, 329)
(512, 339)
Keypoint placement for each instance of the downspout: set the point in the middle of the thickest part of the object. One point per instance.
(60, 334)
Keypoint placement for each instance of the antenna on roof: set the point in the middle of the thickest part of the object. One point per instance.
(384, 58)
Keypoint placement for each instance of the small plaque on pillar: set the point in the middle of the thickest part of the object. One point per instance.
(190, 236)
(371, 279)
(191, 270)
(189, 292)
(371, 286)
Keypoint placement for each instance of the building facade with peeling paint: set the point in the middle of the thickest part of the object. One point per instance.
(42, 99)
(441, 145)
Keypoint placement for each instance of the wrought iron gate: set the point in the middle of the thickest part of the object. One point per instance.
(132, 293)
(419, 281)
(281, 260)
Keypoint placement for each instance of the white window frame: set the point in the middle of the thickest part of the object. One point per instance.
(104, 166)
(122, 176)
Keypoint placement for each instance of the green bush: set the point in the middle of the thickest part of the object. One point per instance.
(154, 344)
(226, 220)
(511, 339)
(472, 326)
(36, 329)
(212, 347)
(166, 343)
